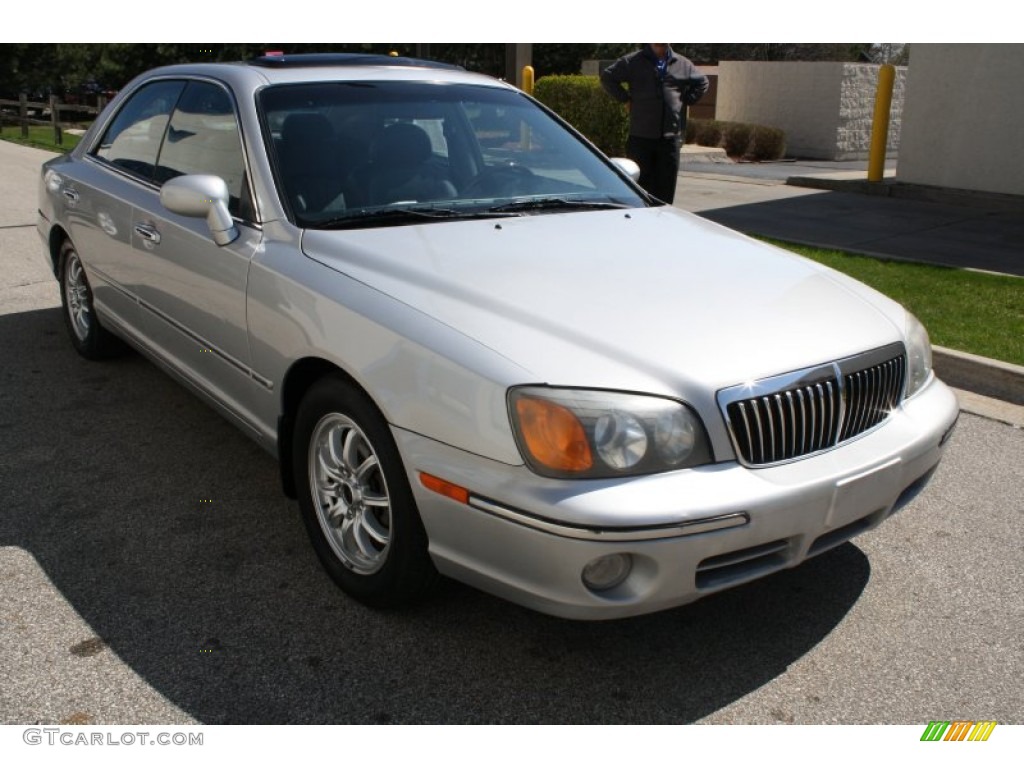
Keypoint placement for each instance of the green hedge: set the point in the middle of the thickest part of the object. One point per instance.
(767, 143)
(740, 140)
(582, 101)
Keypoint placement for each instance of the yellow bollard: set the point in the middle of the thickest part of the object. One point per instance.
(880, 125)
(524, 129)
(528, 79)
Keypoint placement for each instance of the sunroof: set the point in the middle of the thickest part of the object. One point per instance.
(276, 60)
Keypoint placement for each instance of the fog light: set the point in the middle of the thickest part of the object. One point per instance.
(607, 572)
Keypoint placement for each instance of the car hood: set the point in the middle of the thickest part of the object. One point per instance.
(654, 300)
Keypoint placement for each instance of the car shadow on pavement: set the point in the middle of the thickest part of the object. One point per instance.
(166, 531)
(909, 230)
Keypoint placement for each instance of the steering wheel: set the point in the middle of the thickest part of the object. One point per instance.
(501, 180)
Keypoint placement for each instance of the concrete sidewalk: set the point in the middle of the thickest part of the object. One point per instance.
(831, 205)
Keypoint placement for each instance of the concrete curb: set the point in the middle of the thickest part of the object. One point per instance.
(691, 153)
(982, 375)
(989, 408)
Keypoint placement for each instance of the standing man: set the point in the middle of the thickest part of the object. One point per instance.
(662, 85)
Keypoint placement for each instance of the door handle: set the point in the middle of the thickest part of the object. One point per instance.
(148, 233)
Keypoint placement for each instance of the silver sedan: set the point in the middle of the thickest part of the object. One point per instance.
(476, 347)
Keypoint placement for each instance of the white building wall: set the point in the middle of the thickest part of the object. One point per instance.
(824, 108)
(963, 118)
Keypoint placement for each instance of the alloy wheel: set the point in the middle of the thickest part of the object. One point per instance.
(350, 494)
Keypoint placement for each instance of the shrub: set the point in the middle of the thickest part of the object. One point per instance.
(737, 138)
(691, 131)
(767, 143)
(746, 140)
(709, 133)
(581, 101)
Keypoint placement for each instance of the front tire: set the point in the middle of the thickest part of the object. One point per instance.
(90, 339)
(355, 498)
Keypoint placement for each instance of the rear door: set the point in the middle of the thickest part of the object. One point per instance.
(100, 195)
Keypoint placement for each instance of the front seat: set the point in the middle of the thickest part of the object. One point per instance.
(309, 163)
(402, 168)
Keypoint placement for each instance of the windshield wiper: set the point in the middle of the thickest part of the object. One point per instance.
(401, 215)
(555, 204)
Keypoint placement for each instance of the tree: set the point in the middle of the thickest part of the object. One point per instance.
(27, 68)
(889, 53)
(43, 68)
(712, 53)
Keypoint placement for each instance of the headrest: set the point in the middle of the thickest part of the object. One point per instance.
(403, 144)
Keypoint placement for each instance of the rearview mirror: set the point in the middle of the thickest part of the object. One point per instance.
(201, 195)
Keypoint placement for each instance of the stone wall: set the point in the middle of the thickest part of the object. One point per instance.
(825, 108)
(858, 89)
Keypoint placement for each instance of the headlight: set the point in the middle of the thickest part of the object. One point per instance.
(590, 433)
(919, 356)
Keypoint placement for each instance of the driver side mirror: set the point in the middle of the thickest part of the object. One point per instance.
(200, 195)
(628, 167)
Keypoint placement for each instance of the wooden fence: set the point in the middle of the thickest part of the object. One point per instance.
(23, 106)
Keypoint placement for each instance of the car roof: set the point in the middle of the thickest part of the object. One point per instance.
(308, 68)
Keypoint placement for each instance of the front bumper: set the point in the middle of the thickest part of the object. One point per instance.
(689, 533)
(43, 226)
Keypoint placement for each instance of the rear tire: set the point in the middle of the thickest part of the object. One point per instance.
(355, 498)
(90, 339)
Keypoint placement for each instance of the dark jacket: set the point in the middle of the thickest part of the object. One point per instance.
(657, 105)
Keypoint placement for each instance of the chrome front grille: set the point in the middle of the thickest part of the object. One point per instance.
(798, 414)
(871, 394)
(785, 425)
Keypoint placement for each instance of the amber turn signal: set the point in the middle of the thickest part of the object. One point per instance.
(443, 487)
(553, 435)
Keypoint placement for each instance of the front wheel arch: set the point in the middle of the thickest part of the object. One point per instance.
(301, 376)
(355, 496)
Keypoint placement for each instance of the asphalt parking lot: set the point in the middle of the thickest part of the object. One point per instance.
(152, 572)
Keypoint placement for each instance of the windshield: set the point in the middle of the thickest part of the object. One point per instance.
(385, 153)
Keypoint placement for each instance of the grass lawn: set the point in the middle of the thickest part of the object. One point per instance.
(969, 311)
(40, 137)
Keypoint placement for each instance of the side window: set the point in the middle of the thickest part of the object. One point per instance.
(203, 138)
(132, 141)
